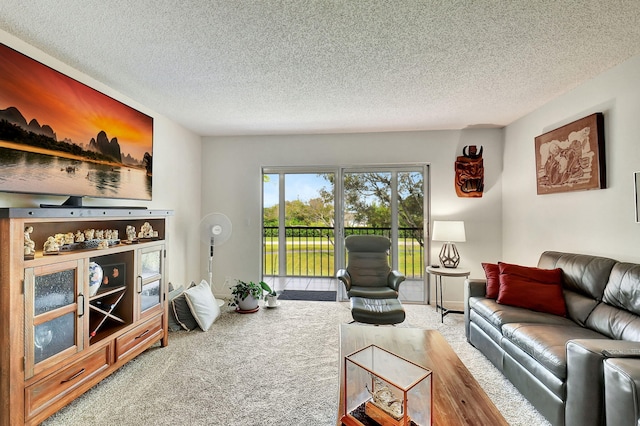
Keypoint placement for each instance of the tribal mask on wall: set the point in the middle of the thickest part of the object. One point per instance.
(470, 173)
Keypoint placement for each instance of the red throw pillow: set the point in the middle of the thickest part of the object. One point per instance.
(532, 288)
(492, 272)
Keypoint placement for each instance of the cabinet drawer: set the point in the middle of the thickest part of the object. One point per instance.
(59, 388)
(137, 339)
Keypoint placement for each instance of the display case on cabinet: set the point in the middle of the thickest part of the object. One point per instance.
(149, 280)
(63, 329)
(54, 306)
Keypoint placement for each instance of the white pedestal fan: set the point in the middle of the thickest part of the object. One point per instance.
(215, 230)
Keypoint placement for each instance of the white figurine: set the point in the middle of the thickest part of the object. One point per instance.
(89, 233)
(59, 239)
(51, 246)
(131, 232)
(99, 234)
(79, 236)
(104, 244)
(29, 245)
(146, 231)
(68, 238)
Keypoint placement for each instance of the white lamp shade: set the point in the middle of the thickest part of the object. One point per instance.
(450, 231)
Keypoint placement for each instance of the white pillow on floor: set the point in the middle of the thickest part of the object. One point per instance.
(203, 305)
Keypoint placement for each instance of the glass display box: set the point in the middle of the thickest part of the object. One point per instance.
(382, 388)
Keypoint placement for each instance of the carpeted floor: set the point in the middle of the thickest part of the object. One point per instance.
(321, 296)
(275, 367)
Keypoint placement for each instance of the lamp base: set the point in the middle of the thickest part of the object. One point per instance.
(449, 256)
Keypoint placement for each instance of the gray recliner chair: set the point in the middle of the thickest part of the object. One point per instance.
(371, 285)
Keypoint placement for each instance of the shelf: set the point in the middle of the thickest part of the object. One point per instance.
(102, 307)
(102, 293)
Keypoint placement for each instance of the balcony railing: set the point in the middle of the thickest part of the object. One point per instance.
(310, 250)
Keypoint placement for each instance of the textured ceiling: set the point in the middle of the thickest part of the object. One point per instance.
(239, 67)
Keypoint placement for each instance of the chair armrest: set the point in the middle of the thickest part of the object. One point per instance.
(585, 378)
(343, 275)
(394, 279)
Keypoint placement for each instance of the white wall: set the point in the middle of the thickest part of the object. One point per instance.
(600, 222)
(176, 174)
(231, 173)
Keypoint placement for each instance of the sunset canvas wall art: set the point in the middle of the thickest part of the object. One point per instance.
(59, 136)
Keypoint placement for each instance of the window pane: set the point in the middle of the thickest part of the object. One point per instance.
(150, 295)
(54, 336)
(150, 263)
(54, 291)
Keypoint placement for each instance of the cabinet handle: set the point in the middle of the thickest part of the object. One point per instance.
(143, 334)
(80, 305)
(79, 373)
(139, 284)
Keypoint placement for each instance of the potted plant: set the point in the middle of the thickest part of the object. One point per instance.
(247, 294)
(271, 298)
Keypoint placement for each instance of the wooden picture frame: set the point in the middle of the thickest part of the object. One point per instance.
(572, 157)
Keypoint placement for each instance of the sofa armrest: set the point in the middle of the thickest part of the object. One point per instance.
(394, 279)
(585, 378)
(622, 390)
(473, 287)
(344, 276)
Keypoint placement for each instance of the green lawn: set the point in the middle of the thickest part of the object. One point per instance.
(314, 257)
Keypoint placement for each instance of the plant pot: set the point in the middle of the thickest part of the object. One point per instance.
(248, 304)
(271, 301)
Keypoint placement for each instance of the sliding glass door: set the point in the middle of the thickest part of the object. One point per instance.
(389, 201)
(307, 213)
(298, 223)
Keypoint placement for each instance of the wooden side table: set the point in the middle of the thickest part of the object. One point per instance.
(438, 273)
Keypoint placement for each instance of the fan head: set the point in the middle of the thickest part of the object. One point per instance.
(216, 226)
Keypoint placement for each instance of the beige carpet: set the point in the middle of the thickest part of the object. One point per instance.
(275, 367)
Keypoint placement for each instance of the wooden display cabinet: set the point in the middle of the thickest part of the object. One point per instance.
(58, 339)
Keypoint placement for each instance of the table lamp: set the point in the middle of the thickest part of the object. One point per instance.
(449, 231)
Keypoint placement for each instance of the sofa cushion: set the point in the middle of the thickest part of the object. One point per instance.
(492, 272)
(581, 273)
(499, 315)
(487, 327)
(546, 342)
(579, 306)
(532, 288)
(615, 323)
(623, 290)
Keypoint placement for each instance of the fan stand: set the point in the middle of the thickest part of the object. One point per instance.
(215, 228)
(211, 246)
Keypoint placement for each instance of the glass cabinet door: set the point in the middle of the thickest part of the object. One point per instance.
(54, 306)
(150, 279)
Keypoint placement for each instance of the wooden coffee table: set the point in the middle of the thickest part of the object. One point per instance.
(458, 399)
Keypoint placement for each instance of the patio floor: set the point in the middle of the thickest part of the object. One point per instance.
(411, 291)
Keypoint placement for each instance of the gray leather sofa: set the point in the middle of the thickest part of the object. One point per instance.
(560, 363)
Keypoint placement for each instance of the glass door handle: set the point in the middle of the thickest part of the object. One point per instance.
(80, 305)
